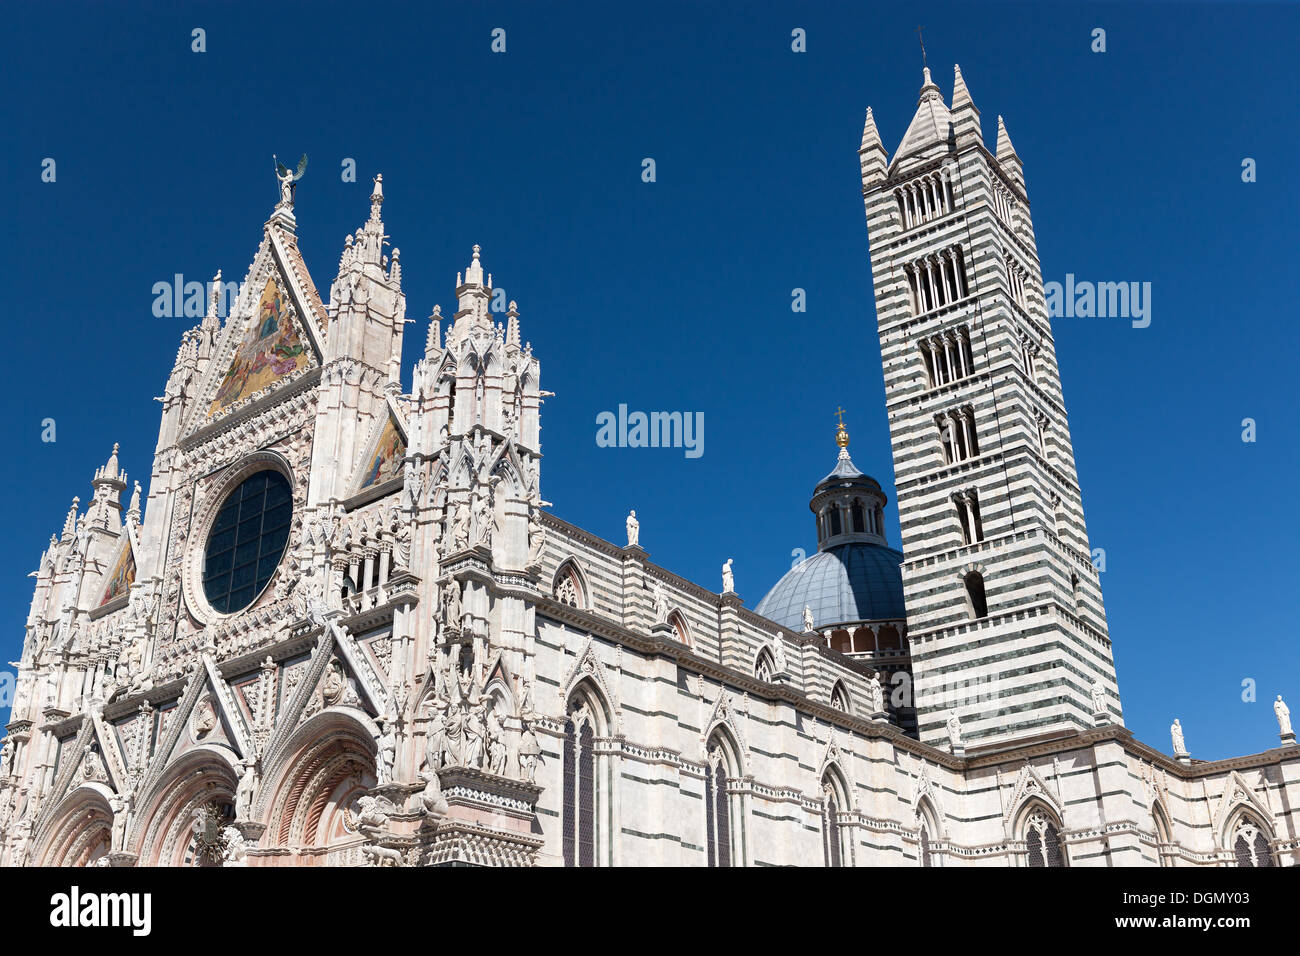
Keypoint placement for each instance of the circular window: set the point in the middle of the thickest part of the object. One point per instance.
(247, 541)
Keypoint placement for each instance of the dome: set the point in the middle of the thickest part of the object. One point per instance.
(854, 576)
(845, 584)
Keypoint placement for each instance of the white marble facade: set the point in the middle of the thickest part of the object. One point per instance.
(435, 669)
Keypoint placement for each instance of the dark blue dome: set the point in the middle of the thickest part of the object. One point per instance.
(844, 584)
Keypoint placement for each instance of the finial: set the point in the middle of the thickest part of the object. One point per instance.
(110, 469)
(474, 274)
(841, 433)
(921, 39)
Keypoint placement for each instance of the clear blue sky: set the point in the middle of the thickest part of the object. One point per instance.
(676, 295)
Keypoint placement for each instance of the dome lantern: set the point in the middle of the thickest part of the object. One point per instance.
(850, 506)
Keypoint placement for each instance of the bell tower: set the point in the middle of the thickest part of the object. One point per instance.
(1004, 609)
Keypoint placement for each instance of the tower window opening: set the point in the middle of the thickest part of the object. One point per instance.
(978, 604)
(859, 520)
(968, 515)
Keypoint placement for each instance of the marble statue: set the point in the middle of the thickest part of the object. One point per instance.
(496, 744)
(431, 797)
(526, 709)
(877, 695)
(1098, 697)
(530, 750)
(661, 604)
(536, 538)
(808, 624)
(246, 791)
(1283, 714)
(633, 530)
(778, 655)
(436, 744)
(476, 733)
(387, 754)
(371, 817)
(484, 520)
(460, 527)
(1176, 732)
(728, 579)
(288, 179)
(451, 608)
(234, 847)
(117, 837)
(954, 731)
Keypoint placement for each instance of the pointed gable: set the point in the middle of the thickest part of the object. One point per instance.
(271, 349)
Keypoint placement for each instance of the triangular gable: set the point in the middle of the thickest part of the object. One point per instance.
(302, 288)
(1237, 794)
(1030, 785)
(77, 767)
(378, 647)
(122, 576)
(367, 676)
(205, 714)
(383, 458)
(271, 348)
(724, 715)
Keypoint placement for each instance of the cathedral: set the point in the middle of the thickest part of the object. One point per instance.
(339, 626)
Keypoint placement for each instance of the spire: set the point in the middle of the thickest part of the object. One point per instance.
(512, 325)
(433, 344)
(960, 95)
(931, 126)
(109, 483)
(870, 135)
(871, 154)
(70, 522)
(1005, 149)
(965, 115)
(214, 300)
(110, 469)
(1008, 158)
(395, 270)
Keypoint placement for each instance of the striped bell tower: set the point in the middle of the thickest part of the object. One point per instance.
(1004, 609)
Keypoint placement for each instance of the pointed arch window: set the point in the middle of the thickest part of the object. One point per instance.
(1163, 837)
(840, 697)
(678, 624)
(717, 809)
(834, 805)
(1250, 844)
(580, 790)
(568, 588)
(764, 666)
(1043, 841)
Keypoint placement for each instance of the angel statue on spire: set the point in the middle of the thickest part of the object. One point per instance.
(288, 178)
